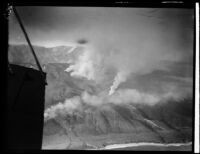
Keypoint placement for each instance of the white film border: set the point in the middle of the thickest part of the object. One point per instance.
(196, 137)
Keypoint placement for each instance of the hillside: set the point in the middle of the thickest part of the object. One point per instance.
(91, 126)
(111, 123)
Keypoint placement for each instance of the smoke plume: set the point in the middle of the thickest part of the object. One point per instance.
(119, 78)
(94, 60)
(120, 97)
(115, 45)
(62, 109)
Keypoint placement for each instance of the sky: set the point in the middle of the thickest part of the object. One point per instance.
(145, 49)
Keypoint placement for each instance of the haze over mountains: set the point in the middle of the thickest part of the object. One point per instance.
(115, 74)
(79, 113)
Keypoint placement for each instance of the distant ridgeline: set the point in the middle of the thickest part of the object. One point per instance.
(21, 54)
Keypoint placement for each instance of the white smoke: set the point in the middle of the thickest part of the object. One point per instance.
(62, 109)
(121, 97)
(83, 66)
(119, 78)
(125, 58)
(134, 96)
(121, 41)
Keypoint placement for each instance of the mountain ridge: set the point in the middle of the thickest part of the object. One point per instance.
(168, 121)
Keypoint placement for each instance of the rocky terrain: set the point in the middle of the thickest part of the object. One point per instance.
(170, 121)
(111, 123)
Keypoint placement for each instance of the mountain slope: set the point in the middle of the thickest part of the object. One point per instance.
(96, 126)
(111, 124)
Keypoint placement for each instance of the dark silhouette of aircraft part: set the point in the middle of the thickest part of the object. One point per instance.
(25, 108)
(25, 104)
